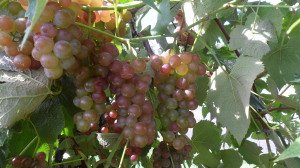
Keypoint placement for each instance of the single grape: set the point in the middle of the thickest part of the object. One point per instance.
(5, 39)
(22, 61)
(48, 29)
(140, 141)
(62, 49)
(44, 44)
(20, 25)
(182, 69)
(86, 102)
(12, 50)
(49, 61)
(7, 23)
(63, 18)
(90, 116)
(82, 126)
(53, 73)
(104, 59)
(14, 7)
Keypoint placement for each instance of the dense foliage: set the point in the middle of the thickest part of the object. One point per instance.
(123, 83)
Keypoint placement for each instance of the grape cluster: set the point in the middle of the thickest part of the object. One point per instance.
(165, 156)
(175, 77)
(127, 109)
(184, 38)
(28, 162)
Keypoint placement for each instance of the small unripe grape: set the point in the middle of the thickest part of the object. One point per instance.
(53, 73)
(68, 63)
(22, 61)
(82, 126)
(49, 61)
(62, 49)
(86, 102)
(90, 116)
(182, 69)
(14, 7)
(48, 29)
(63, 18)
(77, 117)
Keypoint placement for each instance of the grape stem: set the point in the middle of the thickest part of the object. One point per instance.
(135, 4)
(113, 151)
(29, 145)
(123, 154)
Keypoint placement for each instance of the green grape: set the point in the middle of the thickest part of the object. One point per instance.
(49, 61)
(53, 73)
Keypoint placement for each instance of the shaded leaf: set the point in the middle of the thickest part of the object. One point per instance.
(231, 158)
(292, 151)
(207, 134)
(151, 4)
(88, 144)
(201, 89)
(21, 94)
(283, 62)
(250, 152)
(159, 21)
(49, 120)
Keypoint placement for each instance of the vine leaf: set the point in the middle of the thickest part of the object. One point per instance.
(35, 9)
(207, 134)
(235, 87)
(231, 158)
(201, 89)
(250, 152)
(159, 21)
(292, 151)
(252, 40)
(283, 63)
(21, 94)
(49, 120)
(151, 4)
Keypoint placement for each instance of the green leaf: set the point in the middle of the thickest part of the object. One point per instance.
(207, 134)
(292, 151)
(283, 62)
(229, 95)
(157, 22)
(250, 152)
(274, 15)
(21, 94)
(35, 9)
(88, 144)
(231, 158)
(252, 41)
(49, 120)
(206, 157)
(201, 89)
(151, 4)
(22, 134)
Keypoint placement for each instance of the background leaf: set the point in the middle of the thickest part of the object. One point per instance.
(292, 151)
(22, 95)
(49, 120)
(231, 158)
(283, 62)
(235, 87)
(250, 152)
